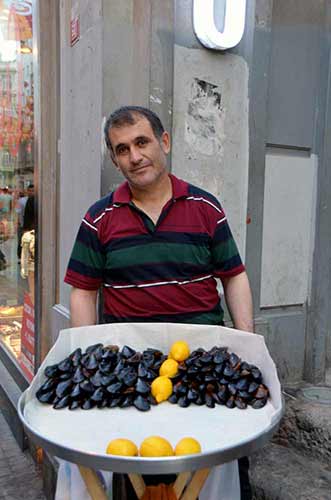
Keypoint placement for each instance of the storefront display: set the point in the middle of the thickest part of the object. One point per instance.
(16, 179)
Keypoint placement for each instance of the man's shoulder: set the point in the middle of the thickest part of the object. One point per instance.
(101, 205)
(198, 193)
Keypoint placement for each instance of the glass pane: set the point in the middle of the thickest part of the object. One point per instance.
(17, 224)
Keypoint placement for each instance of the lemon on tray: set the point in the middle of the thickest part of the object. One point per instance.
(169, 368)
(187, 446)
(179, 350)
(156, 446)
(123, 447)
(161, 388)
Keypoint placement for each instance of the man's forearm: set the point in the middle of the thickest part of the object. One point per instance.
(83, 304)
(238, 298)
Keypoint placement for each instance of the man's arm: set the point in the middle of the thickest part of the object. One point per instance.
(238, 298)
(83, 307)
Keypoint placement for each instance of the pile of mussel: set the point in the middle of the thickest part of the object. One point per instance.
(218, 377)
(102, 376)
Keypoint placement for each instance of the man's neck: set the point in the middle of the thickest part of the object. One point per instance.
(156, 195)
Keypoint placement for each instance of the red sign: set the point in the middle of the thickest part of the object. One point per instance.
(27, 338)
(74, 26)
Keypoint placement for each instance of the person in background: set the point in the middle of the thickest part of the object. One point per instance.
(155, 245)
(28, 245)
(20, 207)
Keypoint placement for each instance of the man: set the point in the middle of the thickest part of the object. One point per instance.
(157, 243)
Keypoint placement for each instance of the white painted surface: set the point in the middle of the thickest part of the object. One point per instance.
(210, 129)
(288, 222)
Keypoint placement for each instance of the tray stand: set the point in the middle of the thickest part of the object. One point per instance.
(186, 487)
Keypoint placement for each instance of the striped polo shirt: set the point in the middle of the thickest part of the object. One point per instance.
(164, 272)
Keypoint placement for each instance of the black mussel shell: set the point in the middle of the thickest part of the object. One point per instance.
(62, 403)
(173, 399)
(183, 402)
(230, 402)
(76, 356)
(142, 371)
(252, 387)
(148, 358)
(112, 348)
(98, 353)
(192, 370)
(216, 398)
(151, 400)
(96, 379)
(232, 388)
(256, 374)
(119, 367)
(141, 403)
(242, 384)
(135, 359)
(200, 400)
(151, 375)
(157, 364)
(89, 361)
(51, 371)
(223, 394)
(192, 395)
(127, 352)
(262, 392)
(127, 401)
(156, 352)
(258, 403)
(64, 388)
(103, 403)
(180, 389)
(142, 387)
(74, 405)
(65, 365)
(87, 386)
(240, 403)
(219, 369)
(113, 402)
(98, 395)
(129, 378)
(108, 379)
(65, 376)
(219, 357)
(88, 404)
(50, 384)
(223, 381)
(92, 348)
(129, 390)
(105, 366)
(115, 388)
(46, 397)
(210, 377)
(244, 395)
(228, 371)
(77, 392)
(206, 358)
(209, 400)
(78, 375)
(234, 360)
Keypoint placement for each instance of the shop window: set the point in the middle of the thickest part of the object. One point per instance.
(17, 190)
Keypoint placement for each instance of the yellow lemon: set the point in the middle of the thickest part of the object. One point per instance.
(169, 368)
(187, 446)
(180, 350)
(123, 447)
(155, 446)
(161, 388)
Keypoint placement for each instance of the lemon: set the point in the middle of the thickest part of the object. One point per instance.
(123, 447)
(155, 446)
(169, 368)
(161, 388)
(180, 350)
(187, 446)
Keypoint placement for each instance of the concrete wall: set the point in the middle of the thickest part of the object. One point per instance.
(80, 152)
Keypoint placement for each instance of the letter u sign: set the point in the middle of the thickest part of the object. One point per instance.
(205, 27)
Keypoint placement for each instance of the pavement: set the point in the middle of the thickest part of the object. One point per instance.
(19, 475)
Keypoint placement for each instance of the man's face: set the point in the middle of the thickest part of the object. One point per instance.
(138, 154)
(30, 191)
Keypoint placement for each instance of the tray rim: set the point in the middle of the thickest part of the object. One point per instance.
(162, 465)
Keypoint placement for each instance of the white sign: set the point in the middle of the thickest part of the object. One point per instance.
(205, 27)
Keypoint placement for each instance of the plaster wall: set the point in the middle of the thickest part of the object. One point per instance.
(210, 128)
(288, 222)
(80, 152)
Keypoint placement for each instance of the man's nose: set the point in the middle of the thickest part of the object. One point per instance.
(135, 155)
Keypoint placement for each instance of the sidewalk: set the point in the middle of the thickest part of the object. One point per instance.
(19, 476)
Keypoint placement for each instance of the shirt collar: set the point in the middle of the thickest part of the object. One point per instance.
(179, 189)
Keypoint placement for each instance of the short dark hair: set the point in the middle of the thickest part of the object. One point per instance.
(127, 115)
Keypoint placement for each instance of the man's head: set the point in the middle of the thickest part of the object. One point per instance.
(138, 146)
(128, 115)
(30, 190)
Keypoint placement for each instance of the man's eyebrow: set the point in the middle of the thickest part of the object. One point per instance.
(120, 145)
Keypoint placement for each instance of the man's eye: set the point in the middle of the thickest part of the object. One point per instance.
(142, 142)
(122, 150)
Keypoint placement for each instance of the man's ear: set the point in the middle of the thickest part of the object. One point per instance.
(165, 142)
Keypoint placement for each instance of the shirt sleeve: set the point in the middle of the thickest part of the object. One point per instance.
(87, 261)
(225, 255)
